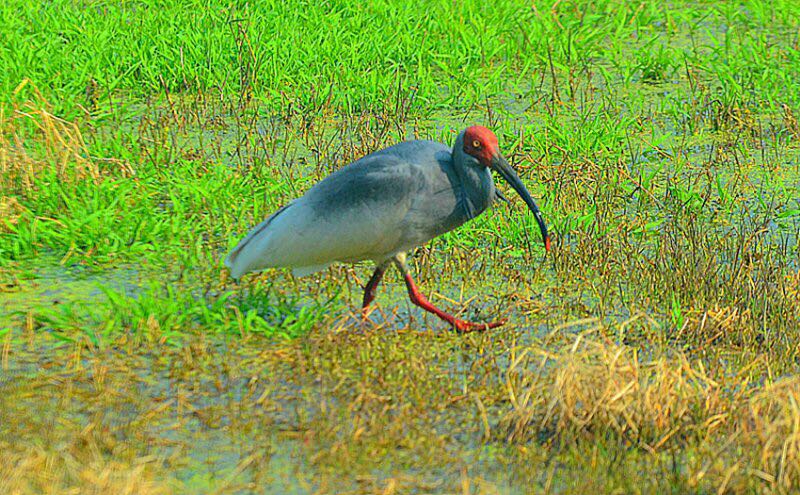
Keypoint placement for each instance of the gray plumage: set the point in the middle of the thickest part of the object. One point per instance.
(384, 203)
(381, 205)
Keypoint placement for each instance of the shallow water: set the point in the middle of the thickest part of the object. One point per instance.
(225, 420)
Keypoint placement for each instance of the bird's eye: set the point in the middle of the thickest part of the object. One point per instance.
(476, 144)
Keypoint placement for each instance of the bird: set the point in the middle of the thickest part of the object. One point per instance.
(380, 207)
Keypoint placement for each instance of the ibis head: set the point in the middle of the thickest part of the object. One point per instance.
(481, 144)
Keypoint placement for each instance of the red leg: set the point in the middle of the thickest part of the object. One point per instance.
(460, 325)
(372, 285)
(369, 290)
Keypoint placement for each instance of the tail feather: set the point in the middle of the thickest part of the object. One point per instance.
(238, 264)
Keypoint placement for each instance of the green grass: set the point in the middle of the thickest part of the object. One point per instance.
(654, 349)
(359, 55)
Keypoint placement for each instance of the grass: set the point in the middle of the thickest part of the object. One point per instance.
(655, 348)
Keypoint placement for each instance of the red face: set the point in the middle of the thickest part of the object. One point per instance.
(481, 143)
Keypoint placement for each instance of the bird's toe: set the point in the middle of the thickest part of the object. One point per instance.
(469, 326)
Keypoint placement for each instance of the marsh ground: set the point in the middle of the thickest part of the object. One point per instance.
(654, 350)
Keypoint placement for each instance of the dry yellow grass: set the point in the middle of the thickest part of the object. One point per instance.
(771, 423)
(749, 433)
(368, 395)
(77, 468)
(33, 141)
(591, 387)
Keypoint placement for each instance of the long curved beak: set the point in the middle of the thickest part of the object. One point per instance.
(504, 169)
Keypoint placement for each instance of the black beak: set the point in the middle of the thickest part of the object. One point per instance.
(504, 169)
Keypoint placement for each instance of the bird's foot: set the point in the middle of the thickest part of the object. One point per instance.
(463, 326)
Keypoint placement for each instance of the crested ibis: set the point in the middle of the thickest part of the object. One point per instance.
(381, 206)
